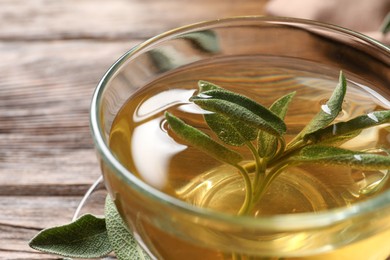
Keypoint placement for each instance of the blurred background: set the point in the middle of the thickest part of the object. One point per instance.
(52, 55)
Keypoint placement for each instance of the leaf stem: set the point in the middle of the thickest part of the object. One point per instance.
(290, 149)
(264, 185)
(259, 164)
(281, 148)
(248, 190)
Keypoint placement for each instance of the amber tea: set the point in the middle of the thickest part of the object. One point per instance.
(140, 138)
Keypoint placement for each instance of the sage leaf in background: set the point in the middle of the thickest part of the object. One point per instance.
(350, 128)
(206, 41)
(330, 155)
(268, 144)
(385, 27)
(84, 238)
(240, 108)
(202, 141)
(121, 240)
(328, 112)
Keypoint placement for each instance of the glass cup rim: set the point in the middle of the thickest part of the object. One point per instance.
(284, 222)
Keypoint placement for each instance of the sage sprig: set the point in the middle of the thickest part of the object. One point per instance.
(238, 120)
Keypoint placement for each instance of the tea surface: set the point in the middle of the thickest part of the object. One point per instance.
(140, 140)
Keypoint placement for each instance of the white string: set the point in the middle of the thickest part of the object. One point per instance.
(87, 194)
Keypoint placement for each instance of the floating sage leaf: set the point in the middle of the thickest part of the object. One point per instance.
(202, 141)
(240, 108)
(280, 106)
(330, 155)
(84, 238)
(121, 240)
(349, 128)
(330, 110)
(229, 131)
(334, 140)
(268, 144)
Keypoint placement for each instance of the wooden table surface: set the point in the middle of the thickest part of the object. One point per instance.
(52, 55)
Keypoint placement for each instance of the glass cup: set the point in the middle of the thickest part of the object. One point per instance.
(169, 228)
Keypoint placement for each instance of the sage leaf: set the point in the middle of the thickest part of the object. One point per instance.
(350, 128)
(280, 106)
(240, 108)
(84, 238)
(267, 143)
(122, 241)
(205, 86)
(330, 110)
(230, 132)
(385, 27)
(202, 141)
(330, 155)
(206, 41)
(334, 140)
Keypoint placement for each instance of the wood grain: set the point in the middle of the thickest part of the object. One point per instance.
(52, 55)
(45, 141)
(23, 216)
(110, 20)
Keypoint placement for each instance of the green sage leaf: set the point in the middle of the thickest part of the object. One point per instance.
(206, 40)
(240, 108)
(84, 238)
(230, 132)
(350, 128)
(335, 140)
(123, 243)
(330, 155)
(280, 106)
(330, 110)
(202, 141)
(267, 143)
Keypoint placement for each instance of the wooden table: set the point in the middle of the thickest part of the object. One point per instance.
(52, 55)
